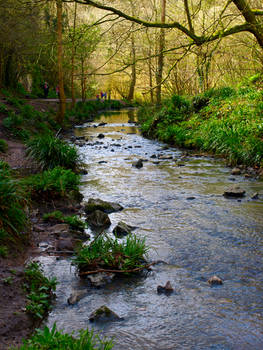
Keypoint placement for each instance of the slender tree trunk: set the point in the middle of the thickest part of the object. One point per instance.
(159, 73)
(150, 75)
(62, 99)
(83, 95)
(73, 59)
(133, 67)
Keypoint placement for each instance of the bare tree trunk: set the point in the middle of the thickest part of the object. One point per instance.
(73, 102)
(133, 74)
(150, 75)
(62, 99)
(159, 73)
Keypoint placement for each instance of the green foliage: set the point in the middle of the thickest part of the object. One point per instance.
(109, 253)
(3, 145)
(14, 124)
(40, 291)
(37, 83)
(56, 340)
(3, 251)
(13, 101)
(50, 151)
(3, 108)
(74, 221)
(13, 219)
(54, 183)
(228, 123)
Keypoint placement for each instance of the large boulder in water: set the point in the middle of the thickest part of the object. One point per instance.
(98, 219)
(98, 204)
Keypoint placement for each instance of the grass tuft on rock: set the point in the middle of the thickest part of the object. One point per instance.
(72, 220)
(110, 254)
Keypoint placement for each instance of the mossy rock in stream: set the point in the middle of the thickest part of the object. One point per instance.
(98, 204)
(104, 314)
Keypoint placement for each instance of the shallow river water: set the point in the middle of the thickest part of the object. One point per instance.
(178, 205)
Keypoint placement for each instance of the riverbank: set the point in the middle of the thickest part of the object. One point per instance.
(224, 122)
(19, 120)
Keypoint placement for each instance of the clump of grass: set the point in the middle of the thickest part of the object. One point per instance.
(40, 291)
(3, 109)
(73, 221)
(13, 219)
(53, 339)
(50, 152)
(107, 253)
(54, 183)
(3, 146)
(3, 251)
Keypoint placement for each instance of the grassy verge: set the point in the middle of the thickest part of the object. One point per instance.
(73, 221)
(225, 122)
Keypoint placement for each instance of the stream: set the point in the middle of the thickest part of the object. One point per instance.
(177, 204)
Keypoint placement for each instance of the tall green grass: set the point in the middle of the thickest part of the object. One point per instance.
(13, 219)
(49, 152)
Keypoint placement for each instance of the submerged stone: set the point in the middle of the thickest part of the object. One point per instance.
(167, 289)
(138, 164)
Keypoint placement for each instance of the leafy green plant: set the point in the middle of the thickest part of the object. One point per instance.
(50, 151)
(40, 291)
(108, 253)
(3, 145)
(57, 182)
(74, 221)
(56, 340)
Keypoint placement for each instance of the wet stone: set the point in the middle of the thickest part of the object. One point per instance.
(76, 296)
(100, 279)
(234, 192)
(122, 229)
(101, 136)
(138, 164)
(214, 280)
(236, 171)
(98, 204)
(167, 289)
(104, 314)
(98, 219)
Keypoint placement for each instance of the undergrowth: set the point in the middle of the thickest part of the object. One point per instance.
(40, 291)
(54, 339)
(54, 183)
(13, 219)
(226, 122)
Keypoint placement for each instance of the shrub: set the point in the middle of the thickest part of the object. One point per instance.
(12, 201)
(108, 253)
(53, 339)
(50, 152)
(54, 183)
(40, 290)
(3, 145)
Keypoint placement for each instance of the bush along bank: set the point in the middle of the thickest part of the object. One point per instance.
(226, 122)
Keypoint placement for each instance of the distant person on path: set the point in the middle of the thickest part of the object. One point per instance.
(101, 95)
(57, 91)
(46, 89)
(97, 97)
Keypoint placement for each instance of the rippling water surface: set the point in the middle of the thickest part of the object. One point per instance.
(178, 205)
